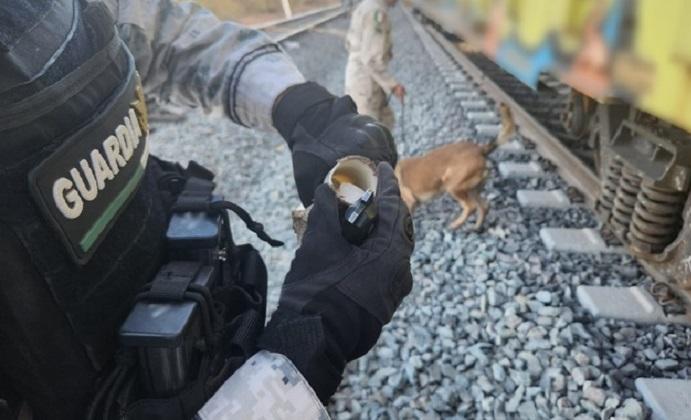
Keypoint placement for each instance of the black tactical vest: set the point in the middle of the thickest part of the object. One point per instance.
(81, 217)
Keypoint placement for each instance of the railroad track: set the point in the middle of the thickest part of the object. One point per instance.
(651, 303)
(281, 30)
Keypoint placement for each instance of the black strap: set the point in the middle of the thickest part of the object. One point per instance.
(197, 191)
(253, 226)
(246, 329)
(173, 280)
(195, 170)
(180, 407)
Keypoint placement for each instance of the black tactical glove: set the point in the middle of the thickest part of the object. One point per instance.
(337, 296)
(320, 129)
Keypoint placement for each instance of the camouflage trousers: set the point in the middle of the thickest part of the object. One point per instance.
(369, 97)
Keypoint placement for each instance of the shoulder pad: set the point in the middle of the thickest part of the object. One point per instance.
(267, 386)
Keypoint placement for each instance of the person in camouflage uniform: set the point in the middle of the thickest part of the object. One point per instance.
(370, 50)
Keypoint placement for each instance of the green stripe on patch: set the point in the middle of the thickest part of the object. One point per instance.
(99, 225)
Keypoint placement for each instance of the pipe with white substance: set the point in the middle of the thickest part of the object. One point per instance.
(354, 180)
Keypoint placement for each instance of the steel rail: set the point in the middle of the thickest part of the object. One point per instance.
(281, 30)
(301, 16)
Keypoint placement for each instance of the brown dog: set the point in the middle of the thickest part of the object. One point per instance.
(459, 169)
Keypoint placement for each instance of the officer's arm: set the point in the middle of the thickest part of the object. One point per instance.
(188, 56)
(376, 49)
(267, 386)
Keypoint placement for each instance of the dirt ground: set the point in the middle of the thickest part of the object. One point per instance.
(260, 11)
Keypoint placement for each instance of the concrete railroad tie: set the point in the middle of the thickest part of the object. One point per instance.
(520, 170)
(553, 199)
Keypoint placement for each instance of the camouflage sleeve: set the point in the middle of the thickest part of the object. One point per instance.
(189, 57)
(267, 386)
(377, 48)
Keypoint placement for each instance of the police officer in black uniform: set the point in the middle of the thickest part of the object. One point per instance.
(84, 209)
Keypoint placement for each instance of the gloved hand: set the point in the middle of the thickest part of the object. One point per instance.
(337, 296)
(320, 129)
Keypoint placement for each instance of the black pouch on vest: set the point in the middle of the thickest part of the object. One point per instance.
(197, 321)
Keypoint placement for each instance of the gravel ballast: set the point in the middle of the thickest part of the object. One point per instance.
(492, 328)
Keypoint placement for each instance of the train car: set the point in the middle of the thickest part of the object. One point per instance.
(626, 69)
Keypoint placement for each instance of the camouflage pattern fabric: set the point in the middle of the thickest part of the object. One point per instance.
(369, 46)
(267, 386)
(189, 57)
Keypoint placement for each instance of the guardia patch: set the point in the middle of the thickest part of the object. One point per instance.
(87, 182)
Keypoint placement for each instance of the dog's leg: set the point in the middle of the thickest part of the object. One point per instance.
(482, 207)
(468, 208)
(408, 198)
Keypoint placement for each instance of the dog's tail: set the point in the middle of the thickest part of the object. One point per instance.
(508, 129)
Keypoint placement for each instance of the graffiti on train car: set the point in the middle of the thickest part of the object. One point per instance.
(630, 50)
